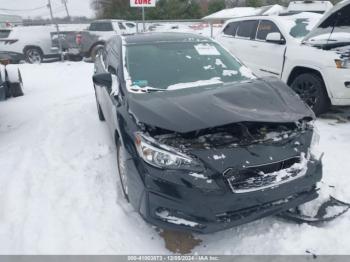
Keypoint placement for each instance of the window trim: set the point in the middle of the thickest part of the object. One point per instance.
(264, 41)
(232, 36)
(250, 37)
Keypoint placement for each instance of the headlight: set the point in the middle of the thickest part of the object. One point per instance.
(162, 156)
(342, 63)
(314, 147)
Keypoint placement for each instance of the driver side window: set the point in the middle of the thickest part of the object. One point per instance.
(266, 27)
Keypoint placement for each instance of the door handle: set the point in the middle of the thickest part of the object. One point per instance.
(254, 46)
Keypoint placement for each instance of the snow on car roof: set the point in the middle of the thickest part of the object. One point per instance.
(245, 11)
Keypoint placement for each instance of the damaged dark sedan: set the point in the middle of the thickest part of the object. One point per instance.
(202, 144)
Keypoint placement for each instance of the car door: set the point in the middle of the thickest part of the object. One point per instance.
(100, 68)
(227, 37)
(244, 44)
(109, 95)
(269, 56)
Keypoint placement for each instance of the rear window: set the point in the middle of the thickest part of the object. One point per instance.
(101, 26)
(4, 33)
(247, 29)
(231, 29)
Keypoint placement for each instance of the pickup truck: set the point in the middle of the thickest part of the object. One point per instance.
(87, 43)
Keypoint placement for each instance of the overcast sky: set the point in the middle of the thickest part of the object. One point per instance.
(76, 8)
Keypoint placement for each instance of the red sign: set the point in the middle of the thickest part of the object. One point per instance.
(142, 3)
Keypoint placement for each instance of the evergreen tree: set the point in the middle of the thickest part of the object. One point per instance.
(215, 6)
(253, 3)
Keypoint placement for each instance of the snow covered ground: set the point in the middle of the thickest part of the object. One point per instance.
(59, 190)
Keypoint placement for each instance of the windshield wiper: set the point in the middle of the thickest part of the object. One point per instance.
(147, 89)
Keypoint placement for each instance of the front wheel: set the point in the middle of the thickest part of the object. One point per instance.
(312, 90)
(95, 51)
(121, 159)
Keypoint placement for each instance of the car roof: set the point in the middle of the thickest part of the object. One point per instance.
(145, 38)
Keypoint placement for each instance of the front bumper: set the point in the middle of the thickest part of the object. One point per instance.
(178, 207)
(338, 84)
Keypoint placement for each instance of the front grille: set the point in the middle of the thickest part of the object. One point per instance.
(260, 177)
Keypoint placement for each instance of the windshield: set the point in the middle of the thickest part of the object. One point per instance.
(300, 25)
(177, 65)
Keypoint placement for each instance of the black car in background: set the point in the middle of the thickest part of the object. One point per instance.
(202, 144)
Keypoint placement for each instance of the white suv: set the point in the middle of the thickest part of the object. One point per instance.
(32, 42)
(308, 51)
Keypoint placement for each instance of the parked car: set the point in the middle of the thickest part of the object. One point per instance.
(88, 42)
(202, 144)
(308, 52)
(33, 42)
(11, 84)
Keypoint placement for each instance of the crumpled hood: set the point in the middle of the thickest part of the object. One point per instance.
(186, 110)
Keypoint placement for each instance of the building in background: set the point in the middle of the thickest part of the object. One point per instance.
(10, 20)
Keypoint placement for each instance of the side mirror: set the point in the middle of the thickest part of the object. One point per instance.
(275, 38)
(104, 79)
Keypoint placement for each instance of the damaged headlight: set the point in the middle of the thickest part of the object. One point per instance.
(162, 156)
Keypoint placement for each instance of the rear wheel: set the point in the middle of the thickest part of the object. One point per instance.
(311, 89)
(33, 55)
(121, 158)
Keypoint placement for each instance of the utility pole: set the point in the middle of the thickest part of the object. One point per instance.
(65, 5)
(57, 29)
(143, 19)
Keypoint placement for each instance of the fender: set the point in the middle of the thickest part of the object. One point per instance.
(288, 69)
(32, 46)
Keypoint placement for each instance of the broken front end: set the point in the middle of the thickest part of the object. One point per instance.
(217, 178)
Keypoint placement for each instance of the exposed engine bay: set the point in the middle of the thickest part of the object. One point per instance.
(230, 136)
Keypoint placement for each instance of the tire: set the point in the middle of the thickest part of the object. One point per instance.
(99, 110)
(33, 55)
(121, 170)
(312, 90)
(3, 92)
(94, 51)
(7, 90)
(16, 89)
